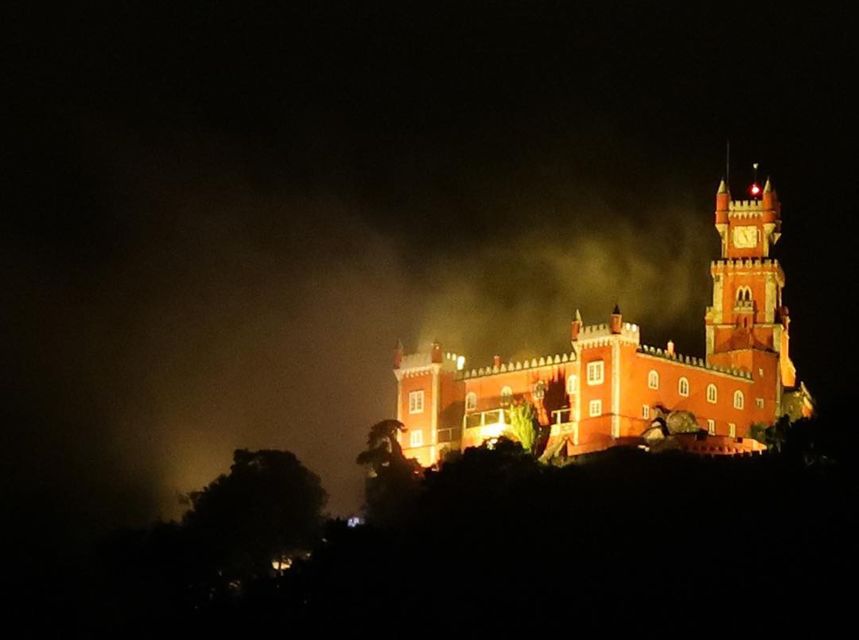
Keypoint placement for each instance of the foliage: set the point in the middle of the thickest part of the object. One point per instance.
(269, 505)
(393, 479)
(524, 427)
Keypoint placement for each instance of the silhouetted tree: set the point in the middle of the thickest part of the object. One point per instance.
(393, 479)
(268, 506)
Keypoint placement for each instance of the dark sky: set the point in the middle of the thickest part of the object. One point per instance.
(218, 219)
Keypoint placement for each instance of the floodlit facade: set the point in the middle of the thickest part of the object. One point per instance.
(608, 387)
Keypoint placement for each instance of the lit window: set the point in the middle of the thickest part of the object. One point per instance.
(416, 401)
(571, 384)
(595, 408)
(711, 393)
(739, 399)
(506, 396)
(711, 427)
(596, 372)
(759, 402)
(683, 387)
(471, 401)
(732, 430)
(416, 439)
(744, 294)
(653, 380)
(645, 411)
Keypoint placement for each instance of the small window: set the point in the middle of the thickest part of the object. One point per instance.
(596, 372)
(506, 396)
(759, 402)
(739, 399)
(571, 384)
(416, 401)
(732, 430)
(683, 387)
(711, 427)
(471, 401)
(595, 408)
(653, 380)
(645, 411)
(416, 439)
(712, 394)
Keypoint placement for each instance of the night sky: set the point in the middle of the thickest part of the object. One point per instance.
(217, 220)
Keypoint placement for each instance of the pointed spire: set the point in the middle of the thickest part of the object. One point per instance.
(768, 188)
(578, 316)
(616, 310)
(723, 187)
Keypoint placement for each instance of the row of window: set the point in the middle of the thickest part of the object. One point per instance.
(711, 424)
(683, 390)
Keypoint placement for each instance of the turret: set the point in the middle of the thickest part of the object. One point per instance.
(616, 323)
(398, 354)
(723, 202)
(770, 204)
(576, 327)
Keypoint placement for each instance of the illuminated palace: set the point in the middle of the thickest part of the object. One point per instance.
(608, 388)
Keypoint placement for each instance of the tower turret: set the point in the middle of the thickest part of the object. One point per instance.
(398, 354)
(723, 201)
(575, 327)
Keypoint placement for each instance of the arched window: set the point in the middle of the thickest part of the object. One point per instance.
(739, 399)
(744, 294)
(653, 380)
(506, 396)
(683, 387)
(571, 384)
(471, 401)
(712, 393)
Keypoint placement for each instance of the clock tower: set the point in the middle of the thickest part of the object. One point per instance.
(747, 324)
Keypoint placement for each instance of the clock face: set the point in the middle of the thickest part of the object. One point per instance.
(745, 237)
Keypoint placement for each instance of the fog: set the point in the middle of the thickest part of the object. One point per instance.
(196, 308)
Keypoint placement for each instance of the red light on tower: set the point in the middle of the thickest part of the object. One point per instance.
(755, 189)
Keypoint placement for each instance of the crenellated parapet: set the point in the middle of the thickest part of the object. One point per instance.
(521, 365)
(601, 334)
(692, 361)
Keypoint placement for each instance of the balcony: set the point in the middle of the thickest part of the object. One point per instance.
(493, 423)
(564, 423)
(485, 424)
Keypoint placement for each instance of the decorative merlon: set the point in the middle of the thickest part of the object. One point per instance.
(692, 361)
(533, 363)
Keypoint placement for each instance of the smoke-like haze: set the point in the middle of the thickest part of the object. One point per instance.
(202, 309)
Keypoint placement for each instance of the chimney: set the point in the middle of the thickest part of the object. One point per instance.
(496, 361)
(669, 348)
(616, 320)
(436, 356)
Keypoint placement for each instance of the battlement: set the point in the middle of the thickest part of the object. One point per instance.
(420, 361)
(692, 361)
(736, 264)
(594, 334)
(533, 363)
(745, 209)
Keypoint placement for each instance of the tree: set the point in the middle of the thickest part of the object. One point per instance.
(523, 425)
(393, 480)
(268, 506)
